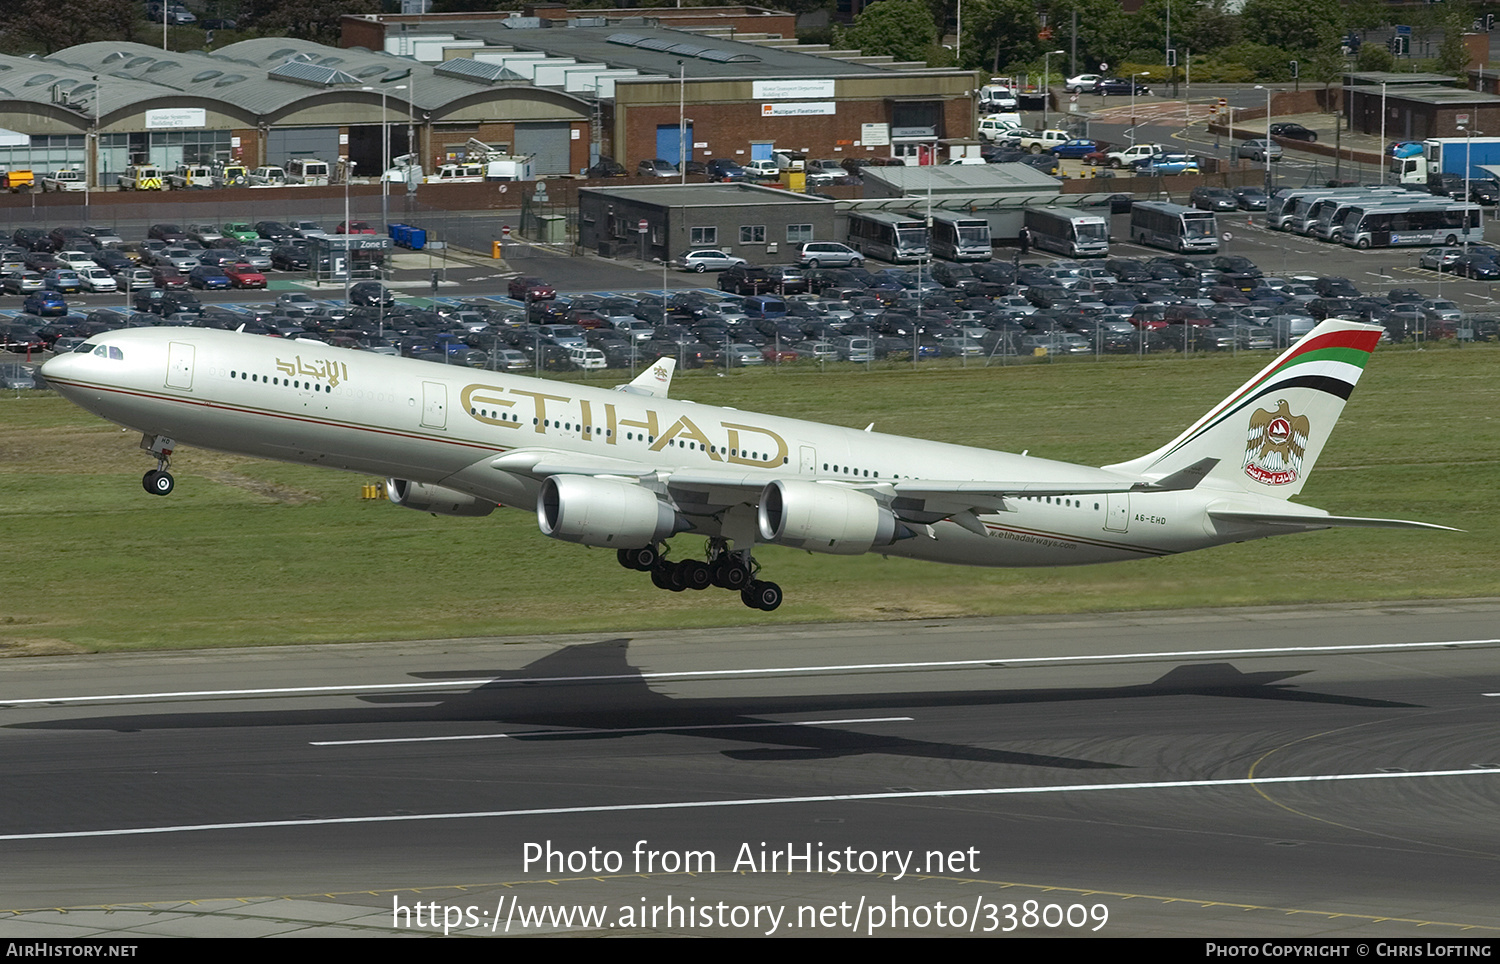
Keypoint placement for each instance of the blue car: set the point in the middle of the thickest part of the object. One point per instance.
(207, 276)
(1079, 147)
(1167, 164)
(43, 303)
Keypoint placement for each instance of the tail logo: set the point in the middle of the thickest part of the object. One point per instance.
(1275, 445)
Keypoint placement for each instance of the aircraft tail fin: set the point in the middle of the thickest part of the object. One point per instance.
(1268, 434)
(655, 380)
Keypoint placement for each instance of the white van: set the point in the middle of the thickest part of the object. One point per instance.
(588, 359)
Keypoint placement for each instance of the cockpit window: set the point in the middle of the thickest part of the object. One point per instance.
(86, 347)
(106, 351)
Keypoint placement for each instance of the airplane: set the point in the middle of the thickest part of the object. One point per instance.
(629, 468)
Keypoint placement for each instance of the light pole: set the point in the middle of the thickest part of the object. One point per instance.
(1269, 144)
(1143, 73)
(385, 162)
(1383, 162)
(1046, 76)
(682, 122)
(1468, 197)
(348, 176)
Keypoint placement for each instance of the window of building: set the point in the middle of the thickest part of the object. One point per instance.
(705, 236)
(752, 234)
(798, 233)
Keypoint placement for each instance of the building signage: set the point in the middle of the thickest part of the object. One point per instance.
(790, 89)
(875, 135)
(804, 109)
(176, 118)
(913, 131)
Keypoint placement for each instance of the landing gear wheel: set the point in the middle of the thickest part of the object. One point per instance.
(641, 560)
(733, 577)
(695, 575)
(765, 596)
(661, 575)
(158, 482)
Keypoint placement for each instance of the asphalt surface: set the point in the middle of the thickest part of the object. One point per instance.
(1324, 771)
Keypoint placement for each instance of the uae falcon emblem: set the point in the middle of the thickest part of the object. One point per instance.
(1275, 444)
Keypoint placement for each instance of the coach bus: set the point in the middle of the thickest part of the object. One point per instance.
(1068, 231)
(959, 238)
(1174, 227)
(889, 237)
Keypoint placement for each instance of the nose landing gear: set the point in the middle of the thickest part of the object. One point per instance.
(159, 481)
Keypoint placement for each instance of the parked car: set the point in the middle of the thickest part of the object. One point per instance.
(1082, 82)
(655, 167)
(1213, 199)
(527, 288)
(1249, 198)
(815, 254)
(607, 167)
(1119, 85)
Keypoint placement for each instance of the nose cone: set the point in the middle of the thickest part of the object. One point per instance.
(61, 367)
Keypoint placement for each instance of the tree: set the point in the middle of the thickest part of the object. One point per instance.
(1453, 56)
(316, 20)
(998, 33)
(48, 26)
(1296, 26)
(898, 28)
(1100, 24)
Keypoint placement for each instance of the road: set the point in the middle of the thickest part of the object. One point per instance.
(1318, 771)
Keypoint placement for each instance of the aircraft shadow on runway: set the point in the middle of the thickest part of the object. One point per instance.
(591, 692)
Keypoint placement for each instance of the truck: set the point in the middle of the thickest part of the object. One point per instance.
(499, 165)
(190, 176)
(231, 174)
(308, 170)
(66, 179)
(1043, 141)
(141, 177)
(1447, 155)
(994, 126)
(997, 95)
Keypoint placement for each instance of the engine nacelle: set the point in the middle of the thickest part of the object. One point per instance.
(603, 512)
(435, 499)
(825, 518)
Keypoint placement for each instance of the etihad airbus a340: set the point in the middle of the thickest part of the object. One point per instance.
(628, 469)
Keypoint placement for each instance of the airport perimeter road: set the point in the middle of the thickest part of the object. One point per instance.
(1324, 771)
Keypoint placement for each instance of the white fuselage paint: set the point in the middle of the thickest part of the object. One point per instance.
(309, 403)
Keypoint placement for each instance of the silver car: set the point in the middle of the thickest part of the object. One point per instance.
(1259, 150)
(827, 254)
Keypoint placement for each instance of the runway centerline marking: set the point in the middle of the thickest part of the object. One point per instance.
(613, 731)
(747, 802)
(994, 662)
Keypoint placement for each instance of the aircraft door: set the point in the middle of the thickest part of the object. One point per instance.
(180, 366)
(434, 405)
(809, 463)
(1117, 512)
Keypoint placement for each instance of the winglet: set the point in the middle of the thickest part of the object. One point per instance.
(655, 381)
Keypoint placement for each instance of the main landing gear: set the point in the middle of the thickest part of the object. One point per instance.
(159, 481)
(726, 569)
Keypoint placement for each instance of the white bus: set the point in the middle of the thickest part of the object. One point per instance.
(1174, 227)
(1387, 225)
(960, 238)
(1068, 231)
(889, 237)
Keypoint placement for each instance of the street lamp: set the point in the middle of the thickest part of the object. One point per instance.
(681, 122)
(385, 162)
(1468, 197)
(1046, 76)
(1383, 162)
(348, 176)
(1143, 73)
(1269, 144)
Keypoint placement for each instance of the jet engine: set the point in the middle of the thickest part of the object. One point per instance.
(435, 499)
(825, 518)
(603, 512)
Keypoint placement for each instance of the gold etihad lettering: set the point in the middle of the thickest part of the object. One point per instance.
(684, 426)
(470, 398)
(330, 371)
(477, 395)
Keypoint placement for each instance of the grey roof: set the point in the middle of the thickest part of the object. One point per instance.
(1394, 79)
(1444, 96)
(732, 194)
(658, 50)
(33, 79)
(966, 179)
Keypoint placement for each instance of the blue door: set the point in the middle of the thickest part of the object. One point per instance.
(668, 140)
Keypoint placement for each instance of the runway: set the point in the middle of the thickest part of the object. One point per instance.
(1315, 771)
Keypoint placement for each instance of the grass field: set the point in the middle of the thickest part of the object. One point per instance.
(249, 553)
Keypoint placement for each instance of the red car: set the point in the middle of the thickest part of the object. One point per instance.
(244, 276)
(354, 227)
(168, 278)
(531, 289)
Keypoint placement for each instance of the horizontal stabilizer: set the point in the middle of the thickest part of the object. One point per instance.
(1321, 521)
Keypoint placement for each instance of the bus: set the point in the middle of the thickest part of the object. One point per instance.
(1312, 209)
(1333, 213)
(889, 237)
(1174, 227)
(1387, 225)
(1282, 207)
(960, 238)
(1068, 231)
